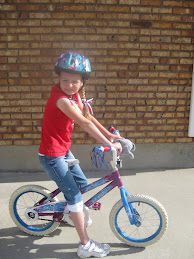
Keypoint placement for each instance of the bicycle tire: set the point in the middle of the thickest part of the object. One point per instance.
(25, 197)
(150, 213)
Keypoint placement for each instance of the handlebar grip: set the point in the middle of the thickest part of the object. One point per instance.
(103, 149)
(113, 130)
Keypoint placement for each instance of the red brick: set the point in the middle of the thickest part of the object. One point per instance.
(71, 8)
(29, 37)
(162, 25)
(128, 74)
(23, 142)
(172, 3)
(189, 33)
(120, 9)
(149, 60)
(170, 47)
(188, 19)
(128, 46)
(162, 67)
(6, 142)
(162, 10)
(3, 74)
(62, 15)
(183, 140)
(85, 15)
(28, 7)
(42, 15)
(137, 81)
(6, 7)
(158, 81)
(170, 18)
(141, 54)
(164, 140)
(151, 3)
(151, 17)
(129, 2)
(150, 32)
(179, 68)
(168, 74)
(187, 11)
(95, 23)
(185, 75)
(181, 54)
(107, 15)
(149, 46)
(141, 9)
(183, 26)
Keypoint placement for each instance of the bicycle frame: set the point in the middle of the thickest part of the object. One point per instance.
(113, 179)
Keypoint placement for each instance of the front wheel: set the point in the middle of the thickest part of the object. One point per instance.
(151, 215)
(24, 198)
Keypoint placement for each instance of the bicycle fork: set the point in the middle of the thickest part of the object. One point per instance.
(132, 213)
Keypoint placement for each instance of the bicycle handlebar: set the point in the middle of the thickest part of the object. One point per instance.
(113, 130)
(107, 148)
(126, 144)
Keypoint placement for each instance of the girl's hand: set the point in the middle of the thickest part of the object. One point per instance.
(113, 137)
(118, 147)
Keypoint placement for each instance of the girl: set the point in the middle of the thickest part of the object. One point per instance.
(63, 108)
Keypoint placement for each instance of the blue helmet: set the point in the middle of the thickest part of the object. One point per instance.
(74, 63)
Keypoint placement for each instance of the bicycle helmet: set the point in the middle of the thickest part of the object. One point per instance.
(73, 63)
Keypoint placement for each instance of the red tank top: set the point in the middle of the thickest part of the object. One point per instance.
(56, 127)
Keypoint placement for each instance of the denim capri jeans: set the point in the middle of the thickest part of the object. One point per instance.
(68, 179)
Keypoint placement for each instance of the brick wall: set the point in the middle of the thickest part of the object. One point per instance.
(141, 53)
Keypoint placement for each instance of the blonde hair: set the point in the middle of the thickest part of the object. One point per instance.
(86, 112)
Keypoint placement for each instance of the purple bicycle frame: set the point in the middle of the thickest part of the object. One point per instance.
(115, 180)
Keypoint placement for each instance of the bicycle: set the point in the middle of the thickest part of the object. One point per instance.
(136, 220)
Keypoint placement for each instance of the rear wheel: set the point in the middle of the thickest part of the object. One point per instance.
(27, 220)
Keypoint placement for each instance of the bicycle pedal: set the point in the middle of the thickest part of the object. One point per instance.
(58, 216)
(96, 206)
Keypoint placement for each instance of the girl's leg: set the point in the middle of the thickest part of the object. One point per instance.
(58, 170)
(77, 172)
(81, 181)
(78, 220)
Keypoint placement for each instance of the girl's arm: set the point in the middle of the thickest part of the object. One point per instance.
(68, 109)
(104, 131)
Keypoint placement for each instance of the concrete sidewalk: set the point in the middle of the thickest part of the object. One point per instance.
(173, 188)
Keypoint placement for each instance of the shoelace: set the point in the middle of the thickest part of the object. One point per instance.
(99, 245)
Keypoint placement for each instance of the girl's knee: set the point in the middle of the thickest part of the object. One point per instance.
(75, 207)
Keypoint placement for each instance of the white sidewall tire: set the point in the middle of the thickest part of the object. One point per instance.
(146, 199)
(34, 188)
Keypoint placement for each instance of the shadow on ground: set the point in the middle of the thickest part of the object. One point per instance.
(14, 242)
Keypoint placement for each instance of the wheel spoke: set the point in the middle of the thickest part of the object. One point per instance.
(25, 198)
(151, 216)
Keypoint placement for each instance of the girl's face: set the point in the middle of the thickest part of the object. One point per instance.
(70, 83)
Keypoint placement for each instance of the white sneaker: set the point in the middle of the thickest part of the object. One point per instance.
(96, 250)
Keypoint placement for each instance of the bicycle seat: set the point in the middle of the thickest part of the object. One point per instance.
(72, 162)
